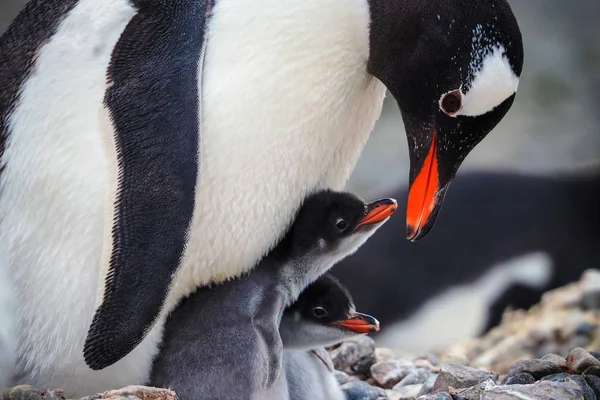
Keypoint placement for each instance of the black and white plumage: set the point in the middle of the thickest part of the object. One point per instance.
(223, 342)
(133, 161)
(323, 315)
(503, 240)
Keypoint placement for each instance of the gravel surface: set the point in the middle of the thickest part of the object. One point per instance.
(543, 353)
(547, 352)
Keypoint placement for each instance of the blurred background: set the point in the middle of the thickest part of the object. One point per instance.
(522, 215)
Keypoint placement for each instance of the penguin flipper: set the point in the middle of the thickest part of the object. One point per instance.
(153, 101)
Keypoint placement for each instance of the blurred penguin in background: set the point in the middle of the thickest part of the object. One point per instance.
(502, 241)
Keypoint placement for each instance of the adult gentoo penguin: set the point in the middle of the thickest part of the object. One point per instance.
(137, 166)
(223, 341)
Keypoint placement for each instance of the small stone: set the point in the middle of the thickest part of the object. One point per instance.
(458, 377)
(537, 368)
(415, 377)
(365, 344)
(384, 354)
(389, 373)
(139, 392)
(27, 392)
(428, 385)
(437, 396)
(408, 391)
(344, 356)
(594, 383)
(556, 359)
(358, 390)
(392, 395)
(588, 392)
(595, 354)
(474, 393)
(455, 358)
(363, 364)
(341, 377)
(560, 377)
(522, 378)
(542, 390)
(593, 370)
(579, 360)
(585, 328)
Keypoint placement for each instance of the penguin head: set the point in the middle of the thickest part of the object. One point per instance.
(453, 67)
(332, 225)
(323, 315)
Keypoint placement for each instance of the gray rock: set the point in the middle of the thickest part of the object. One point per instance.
(595, 354)
(475, 392)
(594, 383)
(537, 368)
(363, 364)
(359, 390)
(366, 345)
(542, 390)
(344, 356)
(459, 377)
(357, 353)
(341, 377)
(556, 359)
(389, 373)
(588, 392)
(418, 376)
(523, 378)
(384, 354)
(593, 370)
(407, 392)
(560, 377)
(428, 385)
(580, 359)
(437, 396)
(586, 328)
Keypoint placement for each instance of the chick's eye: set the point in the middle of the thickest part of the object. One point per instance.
(341, 224)
(451, 102)
(319, 312)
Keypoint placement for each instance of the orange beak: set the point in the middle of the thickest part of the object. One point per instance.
(424, 195)
(378, 211)
(359, 323)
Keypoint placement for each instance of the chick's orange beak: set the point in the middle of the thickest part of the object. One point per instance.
(359, 323)
(378, 211)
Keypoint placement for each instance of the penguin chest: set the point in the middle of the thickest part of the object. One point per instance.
(256, 167)
(285, 112)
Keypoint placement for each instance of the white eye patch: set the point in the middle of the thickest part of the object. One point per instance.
(493, 83)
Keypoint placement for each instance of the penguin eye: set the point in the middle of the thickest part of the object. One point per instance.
(319, 312)
(451, 102)
(341, 224)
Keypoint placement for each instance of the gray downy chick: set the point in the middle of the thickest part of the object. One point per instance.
(223, 342)
(323, 315)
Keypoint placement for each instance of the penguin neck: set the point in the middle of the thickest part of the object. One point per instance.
(394, 33)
